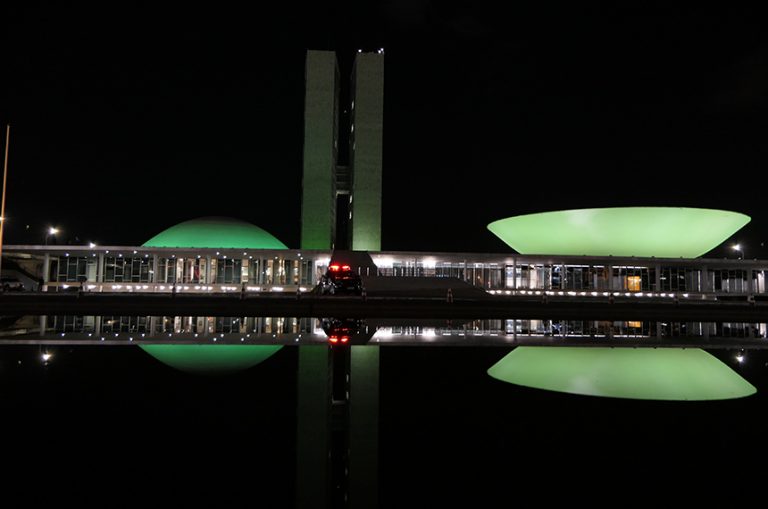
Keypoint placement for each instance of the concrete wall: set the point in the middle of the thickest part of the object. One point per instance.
(366, 151)
(321, 99)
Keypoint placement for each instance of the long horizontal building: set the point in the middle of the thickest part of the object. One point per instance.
(167, 269)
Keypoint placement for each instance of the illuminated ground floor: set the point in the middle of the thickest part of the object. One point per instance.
(119, 269)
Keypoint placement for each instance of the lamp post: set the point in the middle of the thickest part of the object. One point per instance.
(5, 178)
(51, 231)
(737, 247)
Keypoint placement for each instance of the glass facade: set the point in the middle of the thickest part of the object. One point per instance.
(72, 269)
(126, 270)
(728, 281)
(679, 279)
(285, 270)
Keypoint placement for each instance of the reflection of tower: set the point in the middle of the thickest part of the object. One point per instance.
(357, 185)
(356, 190)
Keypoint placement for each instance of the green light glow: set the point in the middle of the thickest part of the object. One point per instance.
(211, 359)
(668, 232)
(215, 232)
(645, 373)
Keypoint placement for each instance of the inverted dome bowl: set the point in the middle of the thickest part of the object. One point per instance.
(669, 232)
(211, 359)
(674, 374)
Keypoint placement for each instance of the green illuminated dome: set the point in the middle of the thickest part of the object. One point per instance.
(645, 373)
(211, 359)
(667, 232)
(215, 232)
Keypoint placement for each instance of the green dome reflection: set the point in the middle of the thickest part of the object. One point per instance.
(675, 374)
(668, 232)
(211, 359)
(213, 232)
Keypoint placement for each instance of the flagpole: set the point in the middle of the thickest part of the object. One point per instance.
(5, 179)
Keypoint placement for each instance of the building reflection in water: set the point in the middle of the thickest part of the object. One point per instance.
(337, 383)
(290, 330)
(677, 374)
(211, 359)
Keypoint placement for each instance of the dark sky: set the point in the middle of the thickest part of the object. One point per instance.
(127, 120)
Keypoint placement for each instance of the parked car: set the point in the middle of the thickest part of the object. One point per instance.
(11, 284)
(340, 279)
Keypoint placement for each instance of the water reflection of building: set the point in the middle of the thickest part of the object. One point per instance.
(154, 325)
(519, 329)
(503, 329)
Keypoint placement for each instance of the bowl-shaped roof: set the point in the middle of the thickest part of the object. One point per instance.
(667, 232)
(644, 373)
(211, 359)
(216, 232)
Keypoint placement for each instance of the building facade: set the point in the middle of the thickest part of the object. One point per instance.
(121, 268)
(334, 192)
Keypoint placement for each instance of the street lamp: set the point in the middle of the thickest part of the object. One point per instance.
(737, 247)
(51, 231)
(5, 179)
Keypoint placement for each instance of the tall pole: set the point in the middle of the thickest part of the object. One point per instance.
(5, 179)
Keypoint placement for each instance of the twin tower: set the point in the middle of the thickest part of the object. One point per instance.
(341, 196)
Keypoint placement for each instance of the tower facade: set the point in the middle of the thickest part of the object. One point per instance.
(321, 135)
(358, 180)
(366, 132)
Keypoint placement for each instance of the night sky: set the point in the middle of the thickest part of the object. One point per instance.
(127, 120)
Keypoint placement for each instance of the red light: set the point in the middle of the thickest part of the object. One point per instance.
(334, 268)
(333, 339)
(345, 267)
(344, 339)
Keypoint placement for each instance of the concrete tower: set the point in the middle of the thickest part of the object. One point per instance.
(366, 151)
(324, 179)
(321, 113)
